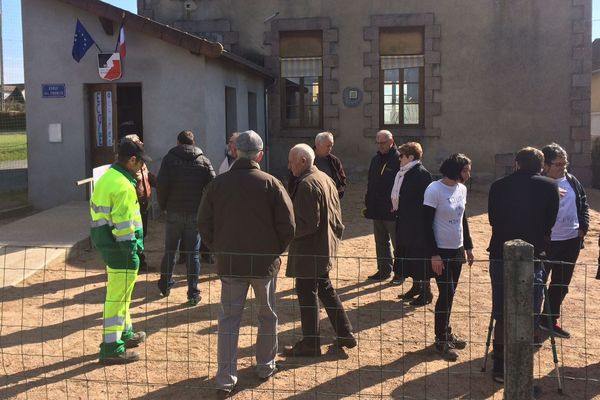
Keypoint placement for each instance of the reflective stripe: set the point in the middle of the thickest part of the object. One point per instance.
(100, 209)
(114, 321)
(101, 222)
(124, 225)
(125, 238)
(112, 337)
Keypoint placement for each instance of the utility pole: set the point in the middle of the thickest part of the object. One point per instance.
(1, 62)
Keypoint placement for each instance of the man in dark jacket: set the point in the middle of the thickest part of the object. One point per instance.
(319, 230)
(183, 175)
(568, 232)
(382, 172)
(246, 218)
(522, 206)
(325, 162)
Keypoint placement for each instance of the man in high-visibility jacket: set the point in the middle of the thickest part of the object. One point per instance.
(117, 233)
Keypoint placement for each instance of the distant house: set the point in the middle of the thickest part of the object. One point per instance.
(480, 77)
(15, 101)
(170, 81)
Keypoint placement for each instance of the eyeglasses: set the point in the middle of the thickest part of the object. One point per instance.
(560, 164)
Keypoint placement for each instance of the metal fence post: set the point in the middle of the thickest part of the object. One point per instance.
(518, 320)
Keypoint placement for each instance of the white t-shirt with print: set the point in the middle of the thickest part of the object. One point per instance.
(567, 224)
(449, 203)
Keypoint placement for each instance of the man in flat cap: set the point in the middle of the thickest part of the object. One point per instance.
(246, 218)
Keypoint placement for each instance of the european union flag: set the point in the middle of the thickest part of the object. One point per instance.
(81, 42)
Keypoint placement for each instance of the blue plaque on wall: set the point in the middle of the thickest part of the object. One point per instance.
(53, 90)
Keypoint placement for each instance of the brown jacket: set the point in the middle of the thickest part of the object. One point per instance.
(246, 217)
(145, 181)
(319, 225)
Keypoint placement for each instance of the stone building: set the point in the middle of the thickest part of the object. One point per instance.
(481, 77)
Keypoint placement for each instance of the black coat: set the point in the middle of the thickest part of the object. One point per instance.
(522, 206)
(583, 209)
(184, 173)
(410, 216)
(382, 173)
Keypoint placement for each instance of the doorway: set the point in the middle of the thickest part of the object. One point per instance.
(115, 111)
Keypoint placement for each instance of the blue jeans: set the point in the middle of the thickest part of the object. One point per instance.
(181, 230)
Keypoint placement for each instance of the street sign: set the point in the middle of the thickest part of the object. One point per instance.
(53, 90)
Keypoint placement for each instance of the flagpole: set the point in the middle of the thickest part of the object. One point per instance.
(119, 34)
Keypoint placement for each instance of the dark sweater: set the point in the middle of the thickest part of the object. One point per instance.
(382, 173)
(183, 175)
(522, 206)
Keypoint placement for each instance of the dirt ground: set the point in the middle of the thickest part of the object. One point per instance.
(51, 329)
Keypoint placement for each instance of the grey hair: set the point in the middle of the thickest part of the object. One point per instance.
(251, 155)
(322, 136)
(304, 150)
(387, 134)
(133, 137)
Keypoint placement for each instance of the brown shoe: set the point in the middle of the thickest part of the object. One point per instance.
(137, 339)
(301, 349)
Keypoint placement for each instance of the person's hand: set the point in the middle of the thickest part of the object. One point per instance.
(437, 265)
(470, 257)
(562, 192)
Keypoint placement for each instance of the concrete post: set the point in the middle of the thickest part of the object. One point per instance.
(518, 320)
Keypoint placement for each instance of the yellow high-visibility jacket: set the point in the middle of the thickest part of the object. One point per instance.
(116, 220)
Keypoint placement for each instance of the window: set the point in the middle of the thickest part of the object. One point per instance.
(401, 79)
(301, 78)
(230, 111)
(252, 112)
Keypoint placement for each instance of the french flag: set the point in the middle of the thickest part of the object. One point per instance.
(121, 48)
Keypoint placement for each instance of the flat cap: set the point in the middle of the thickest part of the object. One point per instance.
(249, 141)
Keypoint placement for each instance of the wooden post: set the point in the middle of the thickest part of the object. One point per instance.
(518, 320)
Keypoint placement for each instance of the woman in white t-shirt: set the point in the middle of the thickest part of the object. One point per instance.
(447, 236)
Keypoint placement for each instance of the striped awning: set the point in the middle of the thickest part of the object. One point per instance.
(300, 67)
(395, 62)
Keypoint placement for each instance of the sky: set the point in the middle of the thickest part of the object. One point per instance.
(13, 46)
(12, 36)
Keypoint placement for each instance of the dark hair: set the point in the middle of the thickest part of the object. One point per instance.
(452, 166)
(553, 151)
(185, 137)
(530, 159)
(411, 149)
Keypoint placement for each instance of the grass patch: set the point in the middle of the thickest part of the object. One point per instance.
(13, 146)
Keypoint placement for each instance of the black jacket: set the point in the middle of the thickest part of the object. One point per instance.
(382, 173)
(522, 206)
(410, 217)
(583, 209)
(184, 173)
(337, 173)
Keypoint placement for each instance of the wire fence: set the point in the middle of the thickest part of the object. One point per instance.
(13, 156)
(51, 329)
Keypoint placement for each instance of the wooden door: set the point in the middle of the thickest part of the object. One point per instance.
(103, 123)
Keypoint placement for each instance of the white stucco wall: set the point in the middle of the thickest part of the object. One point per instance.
(179, 91)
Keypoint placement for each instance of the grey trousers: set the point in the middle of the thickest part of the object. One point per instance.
(233, 299)
(384, 231)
